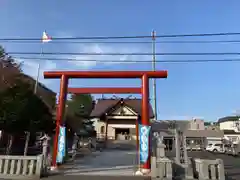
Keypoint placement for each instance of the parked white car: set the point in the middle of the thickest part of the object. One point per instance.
(215, 147)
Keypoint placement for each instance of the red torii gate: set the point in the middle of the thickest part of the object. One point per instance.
(144, 90)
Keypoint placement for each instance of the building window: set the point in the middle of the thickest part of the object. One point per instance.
(197, 126)
(102, 129)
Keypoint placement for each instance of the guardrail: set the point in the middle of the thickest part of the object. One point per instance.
(202, 169)
(209, 169)
(20, 167)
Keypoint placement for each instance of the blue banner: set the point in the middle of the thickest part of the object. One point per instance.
(144, 132)
(61, 144)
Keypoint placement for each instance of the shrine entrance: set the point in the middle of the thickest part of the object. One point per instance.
(144, 142)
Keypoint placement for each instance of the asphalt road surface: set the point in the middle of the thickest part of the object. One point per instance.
(106, 165)
(96, 177)
(114, 164)
(108, 162)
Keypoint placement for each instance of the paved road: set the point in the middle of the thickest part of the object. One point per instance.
(96, 177)
(106, 165)
(112, 162)
(112, 165)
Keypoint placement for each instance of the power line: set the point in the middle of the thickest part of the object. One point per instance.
(128, 61)
(123, 37)
(123, 54)
(128, 42)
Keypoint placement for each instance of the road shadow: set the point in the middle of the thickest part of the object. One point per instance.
(97, 177)
(77, 171)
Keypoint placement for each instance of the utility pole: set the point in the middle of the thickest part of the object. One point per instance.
(35, 92)
(154, 69)
(37, 80)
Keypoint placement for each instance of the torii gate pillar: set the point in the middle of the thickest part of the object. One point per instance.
(144, 75)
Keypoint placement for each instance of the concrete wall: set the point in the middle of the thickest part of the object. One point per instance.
(196, 124)
(229, 125)
(100, 127)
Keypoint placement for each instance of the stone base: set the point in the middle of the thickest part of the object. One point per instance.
(142, 172)
(53, 168)
(138, 173)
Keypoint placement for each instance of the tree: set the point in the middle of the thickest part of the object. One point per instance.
(80, 105)
(9, 69)
(78, 110)
(21, 110)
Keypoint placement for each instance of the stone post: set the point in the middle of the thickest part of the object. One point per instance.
(221, 171)
(160, 148)
(45, 151)
(74, 146)
(177, 146)
(185, 150)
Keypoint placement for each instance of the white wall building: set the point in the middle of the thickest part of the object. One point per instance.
(231, 128)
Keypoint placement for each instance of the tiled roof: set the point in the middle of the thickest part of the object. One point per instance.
(229, 118)
(227, 132)
(105, 105)
(165, 126)
(46, 94)
(170, 124)
(204, 133)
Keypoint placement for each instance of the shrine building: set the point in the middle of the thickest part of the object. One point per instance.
(117, 118)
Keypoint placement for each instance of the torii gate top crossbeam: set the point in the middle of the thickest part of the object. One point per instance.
(104, 74)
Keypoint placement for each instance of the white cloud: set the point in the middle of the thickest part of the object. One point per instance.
(88, 61)
(62, 34)
(84, 61)
(181, 117)
(31, 68)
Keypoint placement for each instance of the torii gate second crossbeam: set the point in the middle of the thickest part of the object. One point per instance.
(144, 90)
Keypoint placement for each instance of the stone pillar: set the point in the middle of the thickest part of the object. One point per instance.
(160, 136)
(45, 151)
(160, 149)
(154, 145)
(221, 171)
(173, 144)
(154, 166)
(74, 146)
(185, 150)
(177, 146)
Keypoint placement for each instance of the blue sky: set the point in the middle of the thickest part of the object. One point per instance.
(207, 90)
